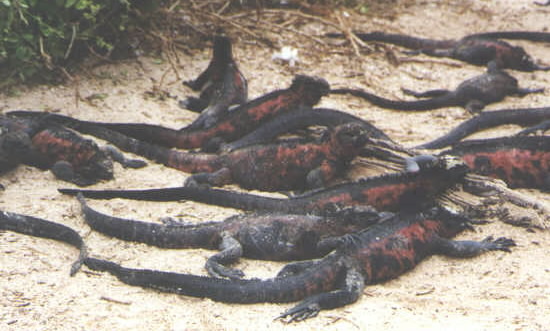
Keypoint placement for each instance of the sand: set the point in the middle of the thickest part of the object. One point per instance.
(496, 291)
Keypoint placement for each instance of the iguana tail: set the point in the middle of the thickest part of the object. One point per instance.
(447, 100)
(284, 289)
(38, 227)
(201, 235)
(514, 35)
(490, 119)
(217, 197)
(399, 40)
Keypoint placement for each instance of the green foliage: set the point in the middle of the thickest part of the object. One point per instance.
(37, 37)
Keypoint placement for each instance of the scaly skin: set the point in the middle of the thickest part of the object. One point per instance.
(477, 49)
(535, 36)
(275, 167)
(13, 146)
(58, 144)
(382, 252)
(221, 85)
(68, 155)
(304, 91)
(490, 119)
(518, 161)
(394, 192)
(38, 227)
(15, 139)
(267, 236)
(472, 94)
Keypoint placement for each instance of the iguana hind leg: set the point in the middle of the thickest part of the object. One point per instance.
(469, 248)
(350, 290)
(231, 251)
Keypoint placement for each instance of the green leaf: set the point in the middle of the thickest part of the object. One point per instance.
(364, 9)
(28, 37)
(70, 3)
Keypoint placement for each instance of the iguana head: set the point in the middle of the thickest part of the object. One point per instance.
(98, 167)
(222, 49)
(311, 89)
(519, 59)
(350, 135)
(451, 221)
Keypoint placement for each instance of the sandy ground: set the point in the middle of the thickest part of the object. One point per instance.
(496, 291)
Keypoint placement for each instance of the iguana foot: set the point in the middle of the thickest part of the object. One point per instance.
(220, 271)
(193, 104)
(300, 312)
(500, 244)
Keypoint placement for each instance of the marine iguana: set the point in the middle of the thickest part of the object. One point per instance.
(265, 236)
(68, 155)
(379, 253)
(490, 119)
(472, 94)
(518, 161)
(274, 167)
(304, 91)
(38, 227)
(221, 85)
(477, 49)
(391, 192)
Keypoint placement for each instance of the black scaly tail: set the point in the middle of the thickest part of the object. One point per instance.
(38, 227)
(447, 100)
(399, 40)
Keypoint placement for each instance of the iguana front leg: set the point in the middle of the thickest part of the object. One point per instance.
(231, 251)
(199, 83)
(193, 104)
(64, 170)
(218, 178)
(521, 92)
(320, 176)
(117, 156)
(475, 106)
